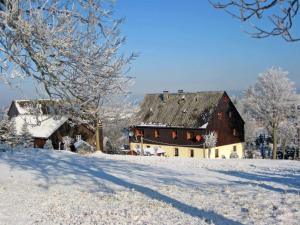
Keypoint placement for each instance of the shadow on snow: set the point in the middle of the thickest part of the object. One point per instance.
(74, 169)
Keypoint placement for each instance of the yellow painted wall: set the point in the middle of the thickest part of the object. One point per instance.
(185, 152)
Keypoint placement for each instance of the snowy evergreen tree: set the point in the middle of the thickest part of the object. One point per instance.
(269, 101)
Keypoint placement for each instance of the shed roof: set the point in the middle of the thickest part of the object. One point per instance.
(37, 106)
(39, 127)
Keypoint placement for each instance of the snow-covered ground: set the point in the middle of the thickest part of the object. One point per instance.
(57, 187)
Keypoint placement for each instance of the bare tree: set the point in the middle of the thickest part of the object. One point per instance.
(70, 47)
(281, 14)
(269, 101)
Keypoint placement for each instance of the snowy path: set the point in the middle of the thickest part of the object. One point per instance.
(48, 187)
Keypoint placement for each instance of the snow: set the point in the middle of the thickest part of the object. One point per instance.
(80, 142)
(153, 125)
(28, 109)
(40, 127)
(21, 110)
(152, 151)
(204, 126)
(59, 187)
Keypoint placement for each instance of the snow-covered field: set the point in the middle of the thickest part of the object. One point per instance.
(56, 187)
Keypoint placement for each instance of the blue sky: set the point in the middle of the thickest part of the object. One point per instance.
(192, 46)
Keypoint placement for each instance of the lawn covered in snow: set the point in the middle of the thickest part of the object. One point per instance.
(58, 187)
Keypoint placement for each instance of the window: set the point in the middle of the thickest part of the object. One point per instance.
(234, 148)
(220, 115)
(156, 133)
(216, 153)
(174, 134)
(176, 153)
(234, 132)
(189, 135)
(78, 137)
(139, 132)
(226, 99)
(192, 153)
(198, 137)
(148, 146)
(230, 114)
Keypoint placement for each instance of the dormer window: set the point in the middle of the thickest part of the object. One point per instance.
(78, 137)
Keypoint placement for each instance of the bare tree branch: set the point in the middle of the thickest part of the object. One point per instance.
(281, 14)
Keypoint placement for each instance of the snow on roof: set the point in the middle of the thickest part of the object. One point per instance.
(30, 106)
(153, 125)
(39, 127)
(80, 143)
(204, 126)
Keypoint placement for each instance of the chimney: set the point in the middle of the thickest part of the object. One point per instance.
(165, 95)
(180, 91)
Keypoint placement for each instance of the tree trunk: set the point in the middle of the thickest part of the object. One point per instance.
(283, 149)
(299, 143)
(142, 145)
(274, 143)
(97, 136)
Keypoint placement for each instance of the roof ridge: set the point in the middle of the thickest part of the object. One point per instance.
(197, 92)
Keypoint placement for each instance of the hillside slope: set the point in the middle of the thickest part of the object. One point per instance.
(57, 187)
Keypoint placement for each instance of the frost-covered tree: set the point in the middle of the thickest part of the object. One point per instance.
(251, 128)
(287, 133)
(70, 47)
(281, 16)
(210, 141)
(8, 133)
(269, 101)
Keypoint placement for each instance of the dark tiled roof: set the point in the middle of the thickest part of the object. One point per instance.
(178, 109)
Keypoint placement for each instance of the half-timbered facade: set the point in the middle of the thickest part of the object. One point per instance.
(177, 123)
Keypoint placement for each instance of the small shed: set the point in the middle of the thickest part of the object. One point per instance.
(83, 147)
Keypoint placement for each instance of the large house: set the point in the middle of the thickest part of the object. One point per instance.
(178, 122)
(43, 124)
